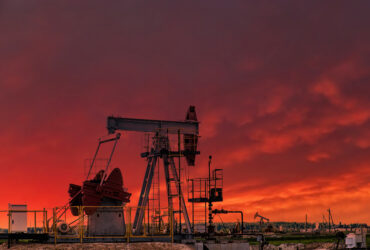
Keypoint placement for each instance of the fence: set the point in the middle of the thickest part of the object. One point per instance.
(26, 221)
(109, 222)
(91, 222)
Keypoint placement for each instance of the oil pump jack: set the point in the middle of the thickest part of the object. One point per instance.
(262, 219)
(161, 149)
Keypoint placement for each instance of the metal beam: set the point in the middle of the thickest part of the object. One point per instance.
(145, 125)
(143, 200)
(180, 195)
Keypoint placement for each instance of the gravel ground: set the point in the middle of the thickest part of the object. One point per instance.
(299, 246)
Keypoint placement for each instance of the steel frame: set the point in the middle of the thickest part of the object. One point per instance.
(161, 150)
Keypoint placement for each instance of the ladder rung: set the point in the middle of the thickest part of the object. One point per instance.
(177, 211)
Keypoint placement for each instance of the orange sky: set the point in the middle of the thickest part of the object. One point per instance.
(281, 90)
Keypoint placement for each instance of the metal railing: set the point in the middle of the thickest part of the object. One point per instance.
(36, 228)
(77, 227)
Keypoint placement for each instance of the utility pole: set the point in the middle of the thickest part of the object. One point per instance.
(305, 226)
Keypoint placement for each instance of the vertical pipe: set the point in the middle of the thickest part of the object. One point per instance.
(35, 221)
(10, 219)
(46, 221)
(241, 212)
(43, 220)
(210, 222)
(54, 227)
(205, 206)
(192, 204)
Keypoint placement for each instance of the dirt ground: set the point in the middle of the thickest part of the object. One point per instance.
(110, 246)
(299, 246)
(159, 245)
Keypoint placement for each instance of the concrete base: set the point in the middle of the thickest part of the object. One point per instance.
(106, 221)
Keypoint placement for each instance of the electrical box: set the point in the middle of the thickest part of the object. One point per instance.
(216, 194)
(18, 218)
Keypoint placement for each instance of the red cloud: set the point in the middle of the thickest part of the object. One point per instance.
(318, 157)
(272, 94)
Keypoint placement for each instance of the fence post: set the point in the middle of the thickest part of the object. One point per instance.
(54, 227)
(35, 221)
(45, 221)
(81, 223)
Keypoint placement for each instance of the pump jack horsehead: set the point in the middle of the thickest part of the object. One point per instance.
(161, 129)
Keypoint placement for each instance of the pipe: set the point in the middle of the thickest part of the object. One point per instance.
(222, 211)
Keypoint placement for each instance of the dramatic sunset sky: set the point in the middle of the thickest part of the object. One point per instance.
(281, 90)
